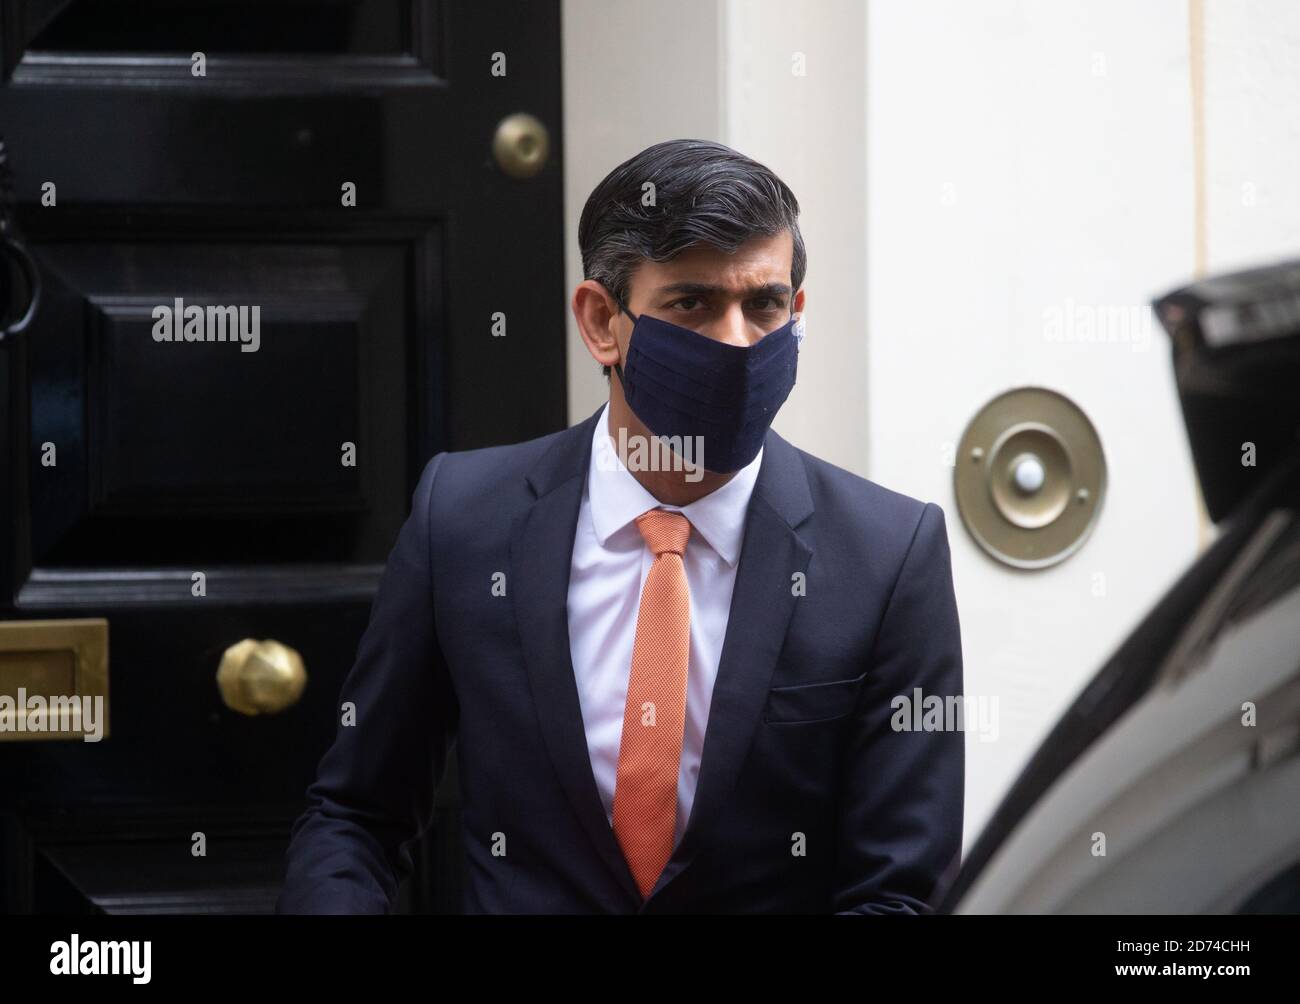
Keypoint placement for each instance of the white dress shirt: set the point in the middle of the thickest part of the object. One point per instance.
(610, 563)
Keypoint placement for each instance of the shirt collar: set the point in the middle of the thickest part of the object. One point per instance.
(617, 498)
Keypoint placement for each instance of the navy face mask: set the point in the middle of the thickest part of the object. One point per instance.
(681, 383)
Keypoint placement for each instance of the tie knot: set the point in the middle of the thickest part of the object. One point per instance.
(664, 531)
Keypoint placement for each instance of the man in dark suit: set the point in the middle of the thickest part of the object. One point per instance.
(678, 678)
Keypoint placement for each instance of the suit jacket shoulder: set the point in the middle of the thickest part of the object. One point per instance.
(472, 477)
(866, 515)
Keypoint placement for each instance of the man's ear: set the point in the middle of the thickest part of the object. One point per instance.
(596, 312)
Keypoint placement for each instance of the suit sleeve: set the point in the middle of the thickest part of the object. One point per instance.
(375, 785)
(900, 819)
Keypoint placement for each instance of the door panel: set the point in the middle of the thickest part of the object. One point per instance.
(196, 491)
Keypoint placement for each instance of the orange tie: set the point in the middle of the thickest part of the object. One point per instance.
(650, 752)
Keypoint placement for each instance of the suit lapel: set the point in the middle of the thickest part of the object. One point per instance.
(541, 555)
(762, 603)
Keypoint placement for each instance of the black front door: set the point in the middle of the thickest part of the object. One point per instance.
(283, 262)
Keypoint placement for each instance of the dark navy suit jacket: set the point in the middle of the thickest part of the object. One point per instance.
(808, 800)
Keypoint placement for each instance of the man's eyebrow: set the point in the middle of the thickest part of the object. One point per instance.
(710, 289)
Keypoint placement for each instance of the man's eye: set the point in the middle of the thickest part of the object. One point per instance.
(686, 302)
(767, 303)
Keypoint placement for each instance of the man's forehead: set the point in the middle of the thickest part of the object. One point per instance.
(758, 261)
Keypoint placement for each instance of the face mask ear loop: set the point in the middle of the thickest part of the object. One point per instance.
(618, 367)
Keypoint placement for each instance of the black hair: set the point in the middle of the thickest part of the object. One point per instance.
(703, 192)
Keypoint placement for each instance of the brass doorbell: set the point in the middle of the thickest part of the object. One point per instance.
(1029, 477)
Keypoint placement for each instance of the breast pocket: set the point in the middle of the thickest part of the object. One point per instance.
(808, 703)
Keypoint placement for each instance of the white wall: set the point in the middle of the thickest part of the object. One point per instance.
(1252, 130)
(1027, 161)
(971, 171)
